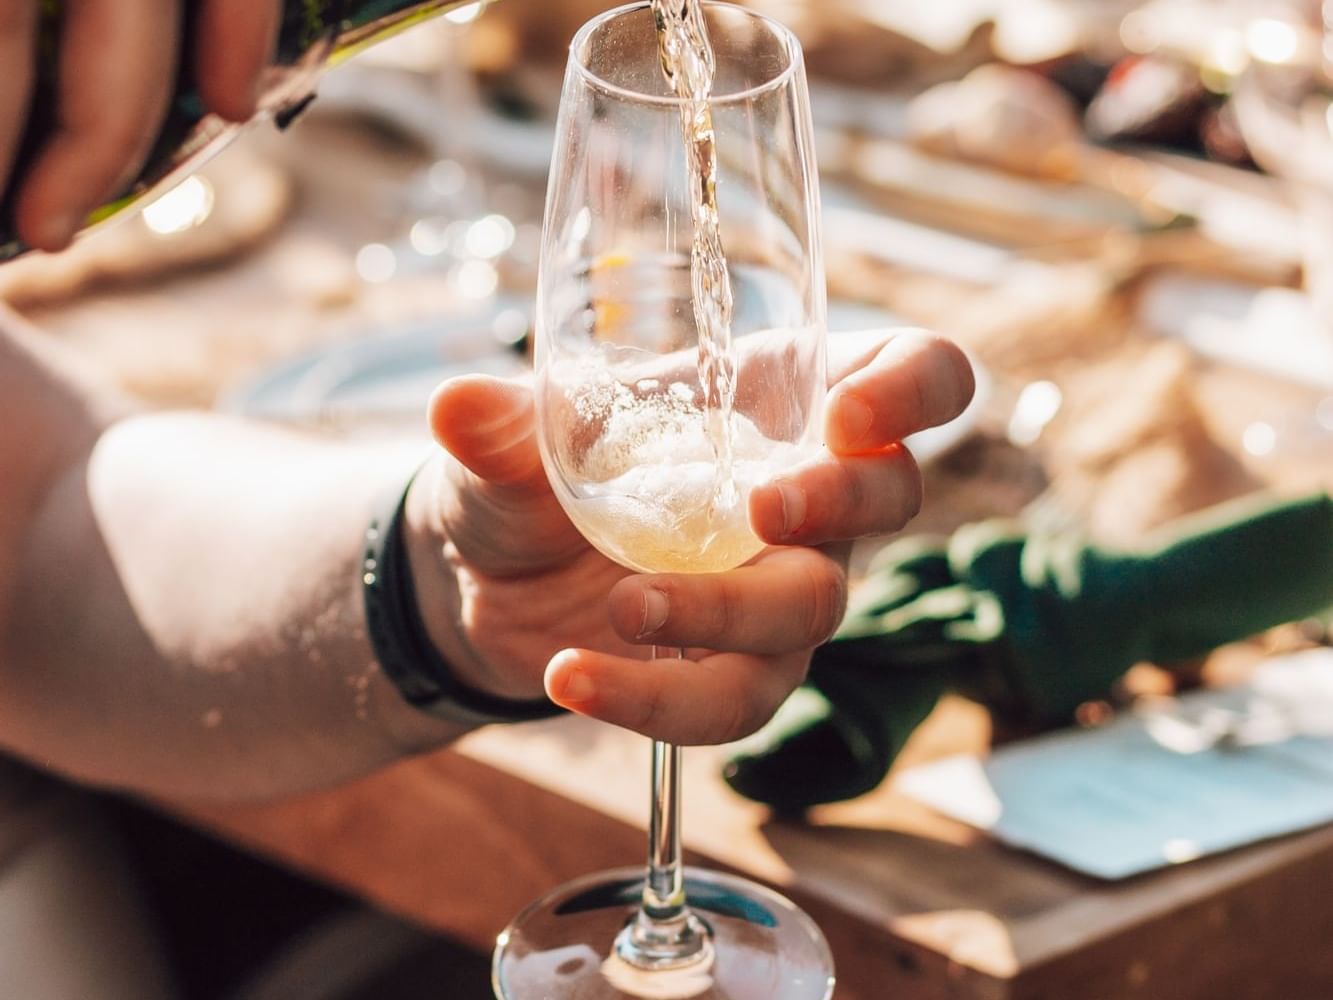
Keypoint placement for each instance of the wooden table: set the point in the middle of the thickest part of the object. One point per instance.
(915, 906)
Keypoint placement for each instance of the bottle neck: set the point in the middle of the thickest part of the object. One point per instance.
(317, 34)
(344, 27)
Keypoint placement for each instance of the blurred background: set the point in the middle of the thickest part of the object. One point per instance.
(1122, 210)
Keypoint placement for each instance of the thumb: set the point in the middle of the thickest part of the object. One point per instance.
(498, 507)
(488, 424)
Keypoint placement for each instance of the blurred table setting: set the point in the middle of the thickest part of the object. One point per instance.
(1121, 210)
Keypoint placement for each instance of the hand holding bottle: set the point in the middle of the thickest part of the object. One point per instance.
(115, 70)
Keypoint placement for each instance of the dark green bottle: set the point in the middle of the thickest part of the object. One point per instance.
(314, 34)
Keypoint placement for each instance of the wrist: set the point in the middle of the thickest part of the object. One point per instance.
(440, 577)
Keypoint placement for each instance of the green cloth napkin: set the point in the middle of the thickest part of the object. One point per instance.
(1031, 625)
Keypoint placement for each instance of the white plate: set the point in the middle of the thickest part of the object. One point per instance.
(383, 381)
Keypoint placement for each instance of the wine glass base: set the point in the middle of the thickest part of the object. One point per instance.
(562, 947)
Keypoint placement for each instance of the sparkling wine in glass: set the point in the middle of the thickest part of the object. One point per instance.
(680, 356)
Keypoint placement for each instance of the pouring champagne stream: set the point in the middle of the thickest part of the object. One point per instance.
(672, 381)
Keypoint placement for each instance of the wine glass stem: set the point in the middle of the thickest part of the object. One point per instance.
(664, 933)
(664, 889)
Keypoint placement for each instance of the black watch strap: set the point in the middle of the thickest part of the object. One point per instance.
(403, 646)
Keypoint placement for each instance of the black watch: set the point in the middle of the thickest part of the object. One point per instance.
(403, 646)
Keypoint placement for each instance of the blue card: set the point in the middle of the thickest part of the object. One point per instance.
(1208, 772)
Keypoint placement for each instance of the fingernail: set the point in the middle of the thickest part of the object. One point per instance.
(793, 507)
(55, 232)
(655, 609)
(574, 686)
(856, 418)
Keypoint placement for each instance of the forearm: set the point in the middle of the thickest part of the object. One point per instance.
(188, 620)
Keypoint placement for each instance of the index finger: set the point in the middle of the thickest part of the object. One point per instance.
(18, 33)
(910, 381)
(117, 68)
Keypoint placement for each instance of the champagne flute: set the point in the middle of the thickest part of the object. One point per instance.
(654, 425)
